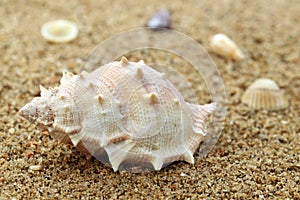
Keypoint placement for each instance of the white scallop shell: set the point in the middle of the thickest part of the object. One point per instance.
(123, 113)
(224, 46)
(59, 31)
(265, 94)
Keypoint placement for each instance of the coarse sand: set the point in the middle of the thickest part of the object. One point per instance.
(258, 153)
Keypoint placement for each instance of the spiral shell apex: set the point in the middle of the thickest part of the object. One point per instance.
(125, 114)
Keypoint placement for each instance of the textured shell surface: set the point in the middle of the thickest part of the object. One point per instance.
(125, 114)
(265, 94)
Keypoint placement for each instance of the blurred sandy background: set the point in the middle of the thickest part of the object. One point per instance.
(258, 153)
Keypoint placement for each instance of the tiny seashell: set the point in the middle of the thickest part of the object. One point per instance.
(265, 94)
(36, 167)
(224, 46)
(183, 174)
(125, 114)
(59, 31)
(160, 19)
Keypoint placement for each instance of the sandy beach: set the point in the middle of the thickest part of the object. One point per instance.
(257, 155)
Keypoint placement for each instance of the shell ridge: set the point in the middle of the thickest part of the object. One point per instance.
(157, 163)
(117, 152)
(188, 156)
(67, 117)
(199, 115)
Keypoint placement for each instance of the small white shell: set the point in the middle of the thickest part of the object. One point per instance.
(160, 19)
(59, 31)
(224, 46)
(36, 167)
(265, 94)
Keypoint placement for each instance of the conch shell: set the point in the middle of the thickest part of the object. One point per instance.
(124, 113)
